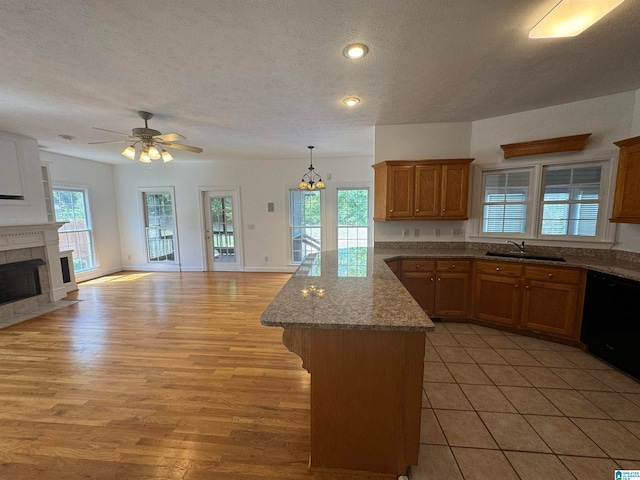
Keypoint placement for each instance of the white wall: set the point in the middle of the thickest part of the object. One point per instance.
(609, 119)
(32, 209)
(98, 179)
(417, 142)
(260, 182)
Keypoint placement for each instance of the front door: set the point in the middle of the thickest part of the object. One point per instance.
(224, 248)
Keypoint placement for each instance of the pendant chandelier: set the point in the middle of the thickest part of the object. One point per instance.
(311, 180)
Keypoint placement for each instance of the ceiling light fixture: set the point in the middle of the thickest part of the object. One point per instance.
(351, 101)
(572, 17)
(311, 180)
(355, 51)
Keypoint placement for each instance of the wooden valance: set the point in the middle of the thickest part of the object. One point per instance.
(548, 145)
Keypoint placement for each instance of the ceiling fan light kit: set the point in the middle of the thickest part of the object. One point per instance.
(152, 143)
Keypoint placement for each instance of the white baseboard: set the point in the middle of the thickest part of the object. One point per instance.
(270, 269)
(98, 272)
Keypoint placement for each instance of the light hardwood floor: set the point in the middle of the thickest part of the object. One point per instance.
(155, 376)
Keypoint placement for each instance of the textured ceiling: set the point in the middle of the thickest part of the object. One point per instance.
(265, 78)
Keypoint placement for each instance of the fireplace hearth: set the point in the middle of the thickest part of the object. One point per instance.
(20, 280)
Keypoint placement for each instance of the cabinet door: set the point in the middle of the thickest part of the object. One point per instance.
(549, 307)
(394, 266)
(452, 294)
(421, 287)
(427, 198)
(626, 206)
(497, 299)
(455, 190)
(401, 187)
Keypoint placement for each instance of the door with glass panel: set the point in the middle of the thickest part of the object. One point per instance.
(222, 230)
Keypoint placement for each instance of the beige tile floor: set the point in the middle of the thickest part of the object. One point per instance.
(499, 405)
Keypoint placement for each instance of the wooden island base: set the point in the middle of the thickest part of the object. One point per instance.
(366, 397)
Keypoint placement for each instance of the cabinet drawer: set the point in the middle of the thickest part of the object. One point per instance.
(499, 268)
(453, 265)
(554, 274)
(418, 265)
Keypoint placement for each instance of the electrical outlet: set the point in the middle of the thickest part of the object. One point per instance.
(266, 258)
(405, 232)
(129, 257)
(457, 232)
(436, 232)
(251, 226)
(416, 232)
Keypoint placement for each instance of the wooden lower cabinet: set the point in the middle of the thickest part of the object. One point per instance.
(497, 299)
(441, 288)
(552, 300)
(546, 299)
(418, 277)
(452, 294)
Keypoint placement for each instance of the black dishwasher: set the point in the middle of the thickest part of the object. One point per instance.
(611, 320)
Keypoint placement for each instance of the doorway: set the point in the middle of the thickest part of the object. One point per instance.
(222, 230)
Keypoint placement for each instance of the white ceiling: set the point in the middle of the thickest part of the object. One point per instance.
(265, 78)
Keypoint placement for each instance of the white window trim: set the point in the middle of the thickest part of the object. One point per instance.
(143, 222)
(332, 211)
(606, 230)
(323, 222)
(86, 189)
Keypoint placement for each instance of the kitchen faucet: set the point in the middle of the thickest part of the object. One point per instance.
(521, 246)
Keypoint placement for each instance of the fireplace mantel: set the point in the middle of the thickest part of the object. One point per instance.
(16, 237)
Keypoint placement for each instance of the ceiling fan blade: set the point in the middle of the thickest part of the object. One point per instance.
(115, 141)
(179, 146)
(169, 137)
(110, 131)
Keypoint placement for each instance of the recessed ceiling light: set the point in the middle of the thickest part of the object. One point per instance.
(572, 17)
(351, 101)
(355, 51)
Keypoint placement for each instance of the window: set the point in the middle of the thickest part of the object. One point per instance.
(305, 223)
(570, 201)
(353, 217)
(72, 206)
(559, 201)
(506, 197)
(159, 225)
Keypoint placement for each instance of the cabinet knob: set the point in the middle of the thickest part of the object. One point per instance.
(526, 286)
(439, 279)
(516, 285)
(391, 210)
(443, 209)
(431, 279)
(497, 269)
(453, 266)
(551, 275)
(417, 210)
(418, 266)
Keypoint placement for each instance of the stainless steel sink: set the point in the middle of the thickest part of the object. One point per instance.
(528, 256)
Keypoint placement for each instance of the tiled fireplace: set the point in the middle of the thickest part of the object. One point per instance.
(28, 246)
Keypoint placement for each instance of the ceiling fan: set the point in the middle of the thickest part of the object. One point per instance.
(151, 143)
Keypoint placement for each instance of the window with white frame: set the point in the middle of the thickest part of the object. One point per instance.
(560, 201)
(352, 217)
(71, 205)
(506, 202)
(305, 225)
(160, 232)
(571, 200)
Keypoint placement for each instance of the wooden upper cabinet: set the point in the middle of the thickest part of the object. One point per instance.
(422, 189)
(427, 191)
(455, 190)
(626, 204)
(400, 191)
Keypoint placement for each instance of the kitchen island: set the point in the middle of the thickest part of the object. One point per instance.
(360, 335)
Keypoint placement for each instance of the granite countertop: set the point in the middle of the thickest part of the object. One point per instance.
(620, 268)
(360, 292)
